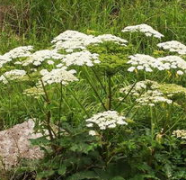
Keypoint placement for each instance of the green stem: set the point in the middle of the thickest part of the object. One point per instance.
(152, 124)
(126, 95)
(94, 89)
(99, 80)
(48, 114)
(74, 96)
(109, 105)
(61, 99)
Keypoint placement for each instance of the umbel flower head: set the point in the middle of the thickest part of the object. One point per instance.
(81, 58)
(173, 46)
(19, 52)
(148, 63)
(144, 62)
(139, 88)
(111, 38)
(180, 133)
(61, 75)
(174, 62)
(143, 28)
(15, 74)
(152, 97)
(39, 56)
(35, 92)
(71, 40)
(146, 93)
(105, 120)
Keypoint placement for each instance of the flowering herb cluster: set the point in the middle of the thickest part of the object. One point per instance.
(98, 104)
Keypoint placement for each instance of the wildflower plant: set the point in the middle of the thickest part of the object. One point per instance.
(95, 109)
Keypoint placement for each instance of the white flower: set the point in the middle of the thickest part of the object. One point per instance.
(90, 125)
(19, 52)
(140, 67)
(58, 76)
(173, 46)
(35, 92)
(50, 62)
(72, 40)
(175, 62)
(144, 28)
(180, 133)
(144, 62)
(107, 119)
(148, 63)
(151, 97)
(112, 125)
(93, 133)
(39, 56)
(15, 74)
(131, 69)
(111, 38)
(4, 60)
(81, 58)
(59, 65)
(180, 72)
(139, 88)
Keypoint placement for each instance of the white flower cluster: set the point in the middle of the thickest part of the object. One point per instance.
(4, 60)
(180, 133)
(146, 93)
(143, 28)
(39, 56)
(144, 62)
(139, 88)
(152, 97)
(19, 52)
(15, 74)
(148, 63)
(35, 92)
(104, 120)
(173, 46)
(111, 38)
(61, 75)
(15, 144)
(174, 62)
(71, 40)
(81, 58)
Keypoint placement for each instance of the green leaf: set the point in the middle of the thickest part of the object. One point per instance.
(83, 175)
(62, 170)
(118, 178)
(45, 174)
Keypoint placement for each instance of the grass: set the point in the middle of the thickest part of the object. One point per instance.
(33, 22)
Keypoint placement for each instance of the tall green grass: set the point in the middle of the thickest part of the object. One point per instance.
(39, 21)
